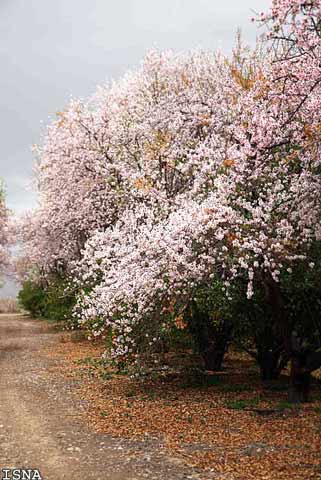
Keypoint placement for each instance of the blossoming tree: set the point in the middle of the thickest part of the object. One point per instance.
(136, 142)
(259, 217)
(193, 168)
(4, 233)
(181, 110)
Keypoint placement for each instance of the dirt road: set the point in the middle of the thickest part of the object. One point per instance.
(41, 426)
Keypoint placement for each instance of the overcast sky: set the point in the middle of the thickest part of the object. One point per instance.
(50, 49)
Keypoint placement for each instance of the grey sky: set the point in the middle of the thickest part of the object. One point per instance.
(52, 49)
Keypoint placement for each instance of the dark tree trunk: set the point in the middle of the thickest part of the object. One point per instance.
(300, 380)
(214, 345)
(213, 357)
(300, 377)
(281, 320)
(212, 340)
(269, 362)
(271, 358)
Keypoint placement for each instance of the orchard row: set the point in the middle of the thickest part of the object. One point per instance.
(187, 195)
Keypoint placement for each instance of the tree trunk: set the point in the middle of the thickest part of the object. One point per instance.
(271, 358)
(300, 377)
(212, 340)
(213, 357)
(300, 381)
(269, 365)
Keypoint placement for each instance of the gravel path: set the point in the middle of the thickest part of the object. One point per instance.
(40, 424)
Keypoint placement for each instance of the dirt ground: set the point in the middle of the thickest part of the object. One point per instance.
(225, 426)
(42, 421)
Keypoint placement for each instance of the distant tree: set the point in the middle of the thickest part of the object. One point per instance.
(4, 231)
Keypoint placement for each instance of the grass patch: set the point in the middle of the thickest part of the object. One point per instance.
(241, 404)
(238, 388)
(105, 376)
(287, 406)
(201, 380)
(277, 387)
